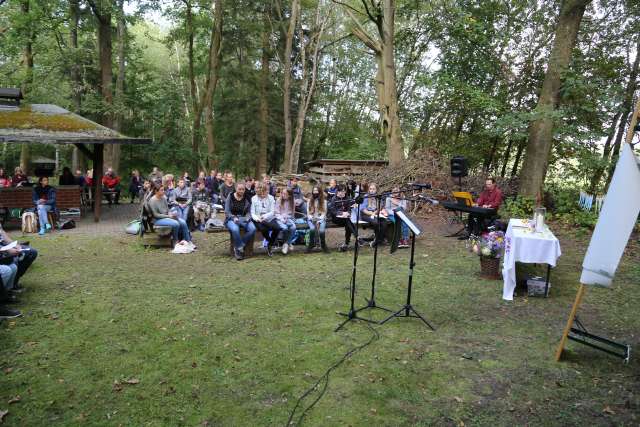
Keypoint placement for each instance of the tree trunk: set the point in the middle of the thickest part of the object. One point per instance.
(114, 160)
(516, 162)
(263, 136)
(77, 158)
(308, 86)
(196, 105)
(28, 81)
(505, 159)
(286, 86)
(391, 117)
(597, 175)
(627, 106)
(212, 80)
(541, 130)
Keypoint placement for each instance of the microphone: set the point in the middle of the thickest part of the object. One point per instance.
(421, 185)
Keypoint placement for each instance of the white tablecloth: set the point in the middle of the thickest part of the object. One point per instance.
(522, 245)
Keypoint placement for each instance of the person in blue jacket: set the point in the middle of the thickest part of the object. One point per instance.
(44, 197)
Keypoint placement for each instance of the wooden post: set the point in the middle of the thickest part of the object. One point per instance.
(572, 316)
(634, 122)
(98, 161)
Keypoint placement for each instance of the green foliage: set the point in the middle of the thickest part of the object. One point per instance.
(518, 207)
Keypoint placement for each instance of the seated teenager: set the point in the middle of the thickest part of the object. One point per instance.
(317, 219)
(250, 185)
(237, 210)
(397, 200)
(67, 177)
(340, 209)
(285, 211)
(8, 274)
(44, 198)
(201, 206)
(271, 187)
(369, 213)
(111, 183)
(181, 199)
(19, 178)
(227, 187)
(5, 181)
(212, 184)
(331, 190)
(169, 186)
(159, 210)
(263, 213)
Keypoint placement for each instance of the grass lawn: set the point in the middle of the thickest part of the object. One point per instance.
(113, 334)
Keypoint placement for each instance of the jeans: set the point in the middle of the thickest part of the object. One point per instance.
(179, 228)
(405, 227)
(8, 274)
(321, 228)
(270, 230)
(289, 230)
(25, 260)
(183, 212)
(42, 214)
(240, 241)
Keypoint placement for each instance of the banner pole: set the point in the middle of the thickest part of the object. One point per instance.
(634, 122)
(572, 316)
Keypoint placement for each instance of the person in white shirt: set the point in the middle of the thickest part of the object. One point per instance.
(263, 214)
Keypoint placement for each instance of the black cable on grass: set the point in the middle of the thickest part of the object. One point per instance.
(325, 378)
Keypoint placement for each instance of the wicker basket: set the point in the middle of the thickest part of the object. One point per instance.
(490, 268)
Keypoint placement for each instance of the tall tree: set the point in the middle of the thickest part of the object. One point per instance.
(113, 153)
(286, 86)
(541, 130)
(27, 84)
(212, 80)
(263, 136)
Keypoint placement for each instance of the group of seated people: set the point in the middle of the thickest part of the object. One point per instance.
(15, 259)
(187, 205)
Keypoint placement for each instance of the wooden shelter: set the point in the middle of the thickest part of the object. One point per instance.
(323, 170)
(50, 124)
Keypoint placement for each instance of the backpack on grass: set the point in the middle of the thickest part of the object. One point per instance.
(29, 222)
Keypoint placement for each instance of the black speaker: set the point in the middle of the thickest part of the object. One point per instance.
(459, 167)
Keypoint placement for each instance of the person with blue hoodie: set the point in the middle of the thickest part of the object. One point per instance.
(44, 198)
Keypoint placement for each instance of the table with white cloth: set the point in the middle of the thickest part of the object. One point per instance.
(524, 245)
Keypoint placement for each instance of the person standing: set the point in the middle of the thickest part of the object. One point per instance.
(135, 185)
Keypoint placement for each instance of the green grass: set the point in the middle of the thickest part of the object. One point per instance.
(216, 342)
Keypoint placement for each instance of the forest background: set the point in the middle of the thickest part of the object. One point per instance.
(541, 91)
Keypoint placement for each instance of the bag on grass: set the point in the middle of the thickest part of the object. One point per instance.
(66, 224)
(29, 222)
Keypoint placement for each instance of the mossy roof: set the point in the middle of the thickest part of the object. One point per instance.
(47, 123)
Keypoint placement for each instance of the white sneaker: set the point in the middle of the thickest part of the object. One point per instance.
(285, 248)
(290, 247)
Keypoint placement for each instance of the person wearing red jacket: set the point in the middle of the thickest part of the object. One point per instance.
(111, 185)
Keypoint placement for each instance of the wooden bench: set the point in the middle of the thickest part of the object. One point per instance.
(151, 235)
(67, 197)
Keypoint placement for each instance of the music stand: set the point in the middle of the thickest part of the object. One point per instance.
(407, 309)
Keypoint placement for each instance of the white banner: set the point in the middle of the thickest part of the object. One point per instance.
(615, 223)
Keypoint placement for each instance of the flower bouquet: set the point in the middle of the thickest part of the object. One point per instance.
(490, 247)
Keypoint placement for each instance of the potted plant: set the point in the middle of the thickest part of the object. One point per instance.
(490, 247)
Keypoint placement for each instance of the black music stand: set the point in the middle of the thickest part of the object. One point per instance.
(407, 309)
(352, 314)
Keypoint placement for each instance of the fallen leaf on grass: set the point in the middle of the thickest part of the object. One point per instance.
(3, 414)
(458, 399)
(15, 400)
(132, 381)
(117, 386)
(7, 371)
(373, 411)
(608, 410)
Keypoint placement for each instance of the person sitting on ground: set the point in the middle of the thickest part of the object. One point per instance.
(340, 209)
(23, 255)
(237, 210)
(19, 178)
(377, 218)
(44, 198)
(201, 206)
(135, 185)
(5, 181)
(67, 177)
(394, 201)
(111, 184)
(181, 199)
(227, 187)
(263, 213)
(317, 218)
(285, 211)
(159, 210)
(331, 190)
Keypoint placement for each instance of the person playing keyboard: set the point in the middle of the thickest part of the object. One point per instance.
(491, 197)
